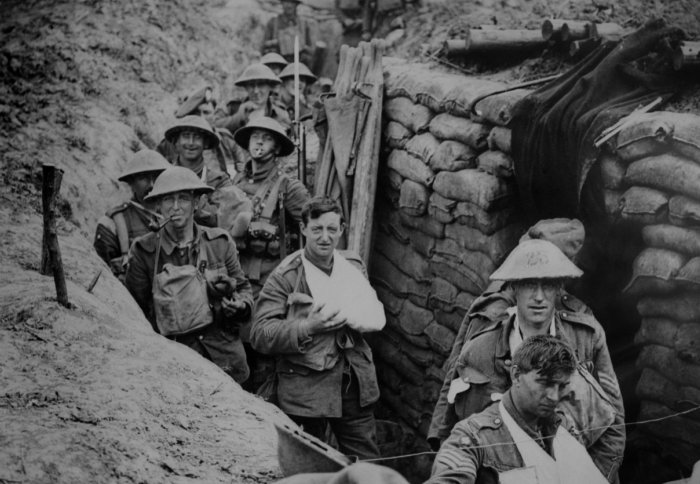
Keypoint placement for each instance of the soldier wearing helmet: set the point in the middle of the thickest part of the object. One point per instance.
(190, 136)
(274, 61)
(534, 274)
(259, 83)
(286, 92)
(281, 30)
(118, 228)
(187, 278)
(277, 203)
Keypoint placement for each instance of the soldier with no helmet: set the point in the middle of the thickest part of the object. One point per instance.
(281, 30)
(121, 225)
(187, 278)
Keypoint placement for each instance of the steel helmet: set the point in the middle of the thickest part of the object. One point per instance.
(536, 259)
(193, 123)
(144, 161)
(177, 179)
(257, 72)
(193, 101)
(273, 59)
(242, 135)
(304, 73)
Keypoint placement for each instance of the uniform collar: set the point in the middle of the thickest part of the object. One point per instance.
(515, 338)
(261, 175)
(168, 244)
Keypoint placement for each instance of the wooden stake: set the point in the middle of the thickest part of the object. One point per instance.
(50, 251)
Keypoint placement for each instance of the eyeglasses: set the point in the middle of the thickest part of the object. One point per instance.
(548, 286)
(183, 199)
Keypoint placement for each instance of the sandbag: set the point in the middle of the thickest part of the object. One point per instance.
(410, 167)
(654, 386)
(459, 275)
(658, 331)
(658, 132)
(440, 338)
(496, 163)
(612, 199)
(683, 211)
(487, 222)
(477, 261)
(666, 172)
(423, 146)
(393, 179)
(496, 246)
(679, 239)
(612, 171)
(689, 274)
(396, 135)
(498, 109)
(424, 224)
(440, 208)
(392, 304)
(681, 306)
(441, 92)
(414, 198)
(666, 361)
(442, 294)
(687, 342)
(499, 139)
(388, 352)
(403, 257)
(644, 205)
(448, 127)
(679, 433)
(653, 272)
(392, 225)
(449, 319)
(413, 116)
(423, 243)
(453, 156)
(414, 319)
(474, 186)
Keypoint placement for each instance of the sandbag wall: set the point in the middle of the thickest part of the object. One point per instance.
(652, 183)
(446, 217)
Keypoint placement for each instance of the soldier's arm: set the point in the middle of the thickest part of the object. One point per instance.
(296, 196)
(139, 280)
(269, 43)
(272, 332)
(106, 243)
(244, 291)
(457, 462)
(221, 119)
(608, 450)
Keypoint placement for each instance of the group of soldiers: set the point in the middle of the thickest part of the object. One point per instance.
(245, 270)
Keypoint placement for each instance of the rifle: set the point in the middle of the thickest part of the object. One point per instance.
(300, 133)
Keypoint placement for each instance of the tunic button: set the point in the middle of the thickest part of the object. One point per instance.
(497, 421)
(563, 314)
(508, 362)
(201, 337)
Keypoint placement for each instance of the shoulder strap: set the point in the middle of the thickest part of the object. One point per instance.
(273, 196)
(122, 232)
(155, 266)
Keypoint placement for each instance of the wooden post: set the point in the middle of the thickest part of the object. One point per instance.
(50, 251)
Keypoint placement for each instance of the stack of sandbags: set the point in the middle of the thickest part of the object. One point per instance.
(446, 218)
(655, 177)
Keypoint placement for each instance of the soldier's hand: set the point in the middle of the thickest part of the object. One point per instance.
(232, 306)
(320, 320)
(220, 286)
(248, 107)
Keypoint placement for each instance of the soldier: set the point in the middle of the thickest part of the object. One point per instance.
(522, 438)
(311, 315)
(121, 225)
(201, 103)
(281, 30)
(274, 61)
(187, 278)
(286, 92)
(259, 82)
(226, 206)
(535, 271)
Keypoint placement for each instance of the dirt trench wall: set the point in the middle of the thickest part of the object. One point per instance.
(448, 214)
(446, 217)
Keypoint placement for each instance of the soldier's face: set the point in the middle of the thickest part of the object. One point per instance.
(142, 184)
(179, 207)
(258, 92)
(289, 8)
(323, 234)
(289, 85)
(538, 396)
(535, 300)
(262, 145)
(190, 145)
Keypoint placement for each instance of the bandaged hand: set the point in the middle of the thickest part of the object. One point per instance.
(324, 320)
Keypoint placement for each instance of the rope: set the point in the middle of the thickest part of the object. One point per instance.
(498, 444)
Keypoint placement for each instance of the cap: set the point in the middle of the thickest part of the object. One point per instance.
(177, 179)
(536, 259)
(242, 135)
(193, 101)
(144, 161)
(193, 123)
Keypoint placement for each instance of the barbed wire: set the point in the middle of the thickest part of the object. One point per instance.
(497, 444)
